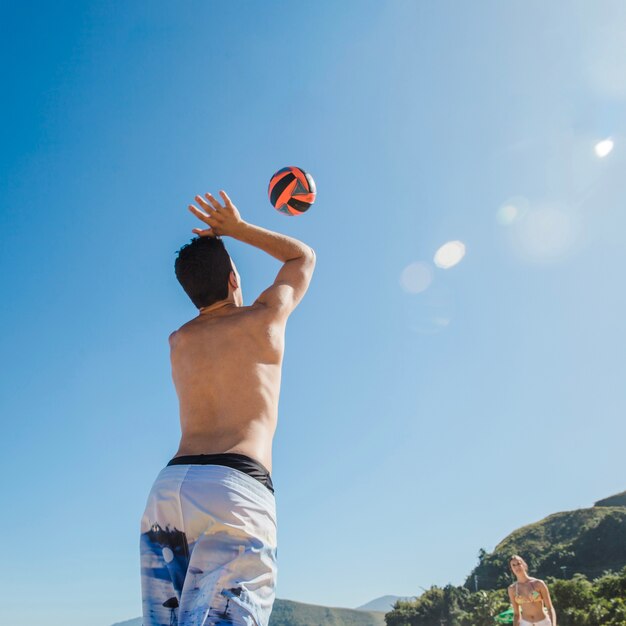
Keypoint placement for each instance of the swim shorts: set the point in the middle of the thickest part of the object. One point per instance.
(208, 546)
(544, 622)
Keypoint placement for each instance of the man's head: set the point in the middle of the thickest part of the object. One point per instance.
(207, 273)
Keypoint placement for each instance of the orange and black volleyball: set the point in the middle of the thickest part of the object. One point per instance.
(292, 191)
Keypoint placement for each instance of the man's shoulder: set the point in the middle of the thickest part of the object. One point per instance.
(257, 317)
(186, 329)
(255, 314)
(264, 314)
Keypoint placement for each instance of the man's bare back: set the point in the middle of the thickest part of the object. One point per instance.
(226, 363)
(226, 367)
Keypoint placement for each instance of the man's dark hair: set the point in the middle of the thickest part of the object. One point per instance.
(202, 268)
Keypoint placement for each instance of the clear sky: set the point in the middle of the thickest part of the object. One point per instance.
(415, 428)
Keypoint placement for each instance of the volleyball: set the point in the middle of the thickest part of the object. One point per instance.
(292, 191)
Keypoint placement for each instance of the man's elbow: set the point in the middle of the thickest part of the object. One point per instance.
(310, 261)
(305, 259)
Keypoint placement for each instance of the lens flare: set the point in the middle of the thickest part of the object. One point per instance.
(416, 277)
(603, 148)
(450, 254)
(512, 210)
(547, 233)
(507, 214)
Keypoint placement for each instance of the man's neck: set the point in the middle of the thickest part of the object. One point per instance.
(218, 307)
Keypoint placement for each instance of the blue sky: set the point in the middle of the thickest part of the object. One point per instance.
(415, 428)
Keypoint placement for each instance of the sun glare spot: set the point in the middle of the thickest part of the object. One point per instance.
(512, 210)
(604, 148)
(416, 277)
(449, 254)
(547, 233)
(507, 214)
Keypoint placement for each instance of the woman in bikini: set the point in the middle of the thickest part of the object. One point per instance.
(530, 597)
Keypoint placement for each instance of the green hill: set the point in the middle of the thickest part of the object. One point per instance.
(289, 613)
(586, 541)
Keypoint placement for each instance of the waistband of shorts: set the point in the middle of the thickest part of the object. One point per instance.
(240, 462)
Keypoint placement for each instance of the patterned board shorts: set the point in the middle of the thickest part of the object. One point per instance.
(208, 548)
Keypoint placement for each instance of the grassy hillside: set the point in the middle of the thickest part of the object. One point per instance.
(288, 613)
(586, 541)
(578, 602)
(572, 550)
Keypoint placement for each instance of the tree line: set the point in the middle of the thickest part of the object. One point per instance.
(578, 602)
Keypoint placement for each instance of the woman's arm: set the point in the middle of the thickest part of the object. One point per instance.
(516, 614)
(547, 600)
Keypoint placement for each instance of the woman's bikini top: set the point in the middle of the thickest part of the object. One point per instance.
(534, 596)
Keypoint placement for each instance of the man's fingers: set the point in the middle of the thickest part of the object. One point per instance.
(214, 203)
(226, 199)
(204, 204)
(207, 232)
(209, 213)
(198, 213)
(214, 219)
(210, 218)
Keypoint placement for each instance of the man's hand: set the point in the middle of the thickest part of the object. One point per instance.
(222, 220)
(293, 278)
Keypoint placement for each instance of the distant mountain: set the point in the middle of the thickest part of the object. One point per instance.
(289, 613)
(384, 604)
(586, 541)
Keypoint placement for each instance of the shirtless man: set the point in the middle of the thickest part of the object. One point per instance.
(208, 534)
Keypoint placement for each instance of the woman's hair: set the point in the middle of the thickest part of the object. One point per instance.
(517, 556)
(203, 267)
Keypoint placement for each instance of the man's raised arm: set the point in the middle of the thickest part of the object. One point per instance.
(298, 259)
